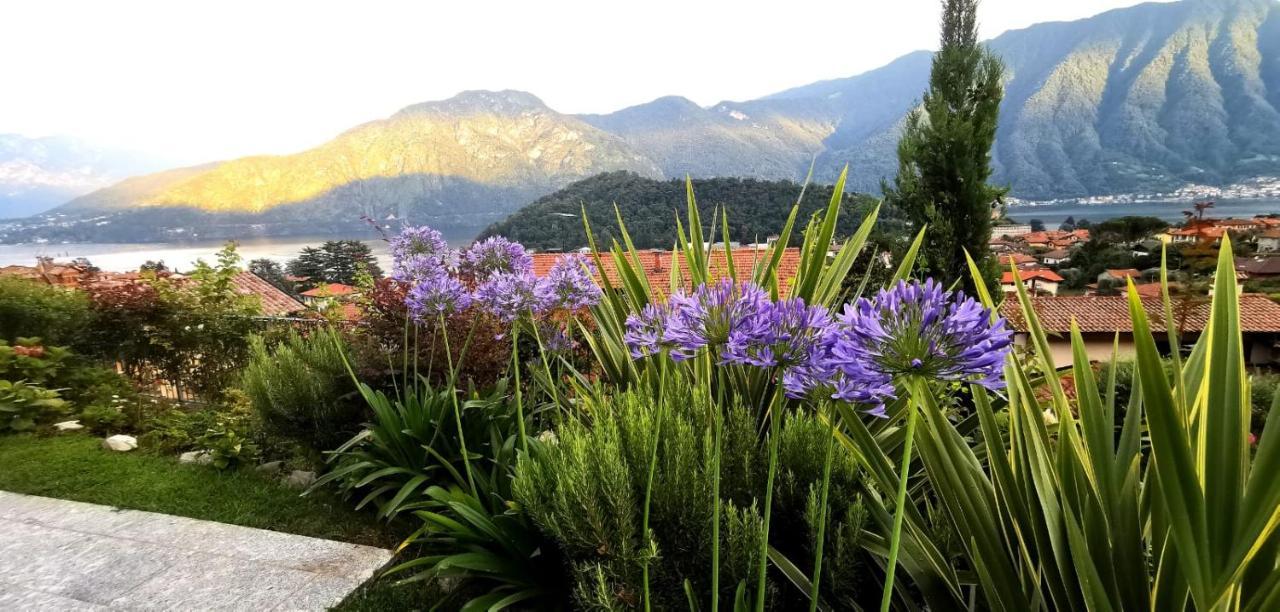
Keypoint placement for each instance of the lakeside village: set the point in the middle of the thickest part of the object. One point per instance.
(1077, 271)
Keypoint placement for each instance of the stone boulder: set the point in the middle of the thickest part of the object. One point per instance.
(300, 479)
(120, 442)
(68, 426)
(196, 457)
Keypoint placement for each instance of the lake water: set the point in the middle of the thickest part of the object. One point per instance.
(123, 257)
(181, 257)
(1053, 214)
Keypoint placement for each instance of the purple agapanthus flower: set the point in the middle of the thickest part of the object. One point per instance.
(920, 329)
(495, 255)
(710, 315)
(647, 330)
(436, 295)
(569, 285)
(420, 252)
(508, 295)
(785, 333)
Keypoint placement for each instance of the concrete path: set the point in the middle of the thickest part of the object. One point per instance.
(65, 555)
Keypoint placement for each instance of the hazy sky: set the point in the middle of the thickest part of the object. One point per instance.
(213, 79)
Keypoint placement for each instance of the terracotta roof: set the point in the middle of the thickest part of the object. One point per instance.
(1110, 313)
(1258, 266)
(1057, 254)
(1271, 233)
(330, 290)
(275, 303)
(657, 265)
(1238, 222)
(1124, 273)
(1026, 275)
(1268, 221)
(1016, 259)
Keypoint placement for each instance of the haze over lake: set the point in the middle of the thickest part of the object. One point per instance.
(122, 257)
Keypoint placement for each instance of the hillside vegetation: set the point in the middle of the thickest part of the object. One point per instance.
(757, 210)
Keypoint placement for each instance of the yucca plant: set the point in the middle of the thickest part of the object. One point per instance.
(1171, 511)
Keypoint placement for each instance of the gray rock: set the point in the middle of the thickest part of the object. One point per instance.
(120, 442)
(300, 479)
(68, 426)
(196, 457)
(270, 468)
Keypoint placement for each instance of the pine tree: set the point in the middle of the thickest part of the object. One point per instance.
(944, 156)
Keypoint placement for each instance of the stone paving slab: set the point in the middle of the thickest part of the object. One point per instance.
(64, 555)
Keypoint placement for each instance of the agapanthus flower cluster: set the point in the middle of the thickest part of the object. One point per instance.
(910, 329)
(419, 253)
(495, 273)
(495, 255)
(436, 295)
(710, 315)
(509, 295)
(647, 330)
(920, 329)
(568, 285)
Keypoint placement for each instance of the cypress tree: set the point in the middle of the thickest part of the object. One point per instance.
(944, 156)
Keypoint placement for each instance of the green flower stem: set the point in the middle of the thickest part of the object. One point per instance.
(717, 426)
(453, 394)
(822, 511)
(895, 541)
(648, 487)
(774, 418)
(515, 365)
(551, 381)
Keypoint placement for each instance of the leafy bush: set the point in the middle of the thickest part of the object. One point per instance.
(104, 419)
(192, 332)
(29, 308)
(301, 390)
(23, 406)
(31, 361)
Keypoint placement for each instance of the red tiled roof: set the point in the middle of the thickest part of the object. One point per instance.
(1124, 273)
(1057, 254)
(275, 303)
(1016, 259)
(657, 266)
(1110, 313)
(1026, 275)
(330, 290)
(1258, 266)
(1271, 233)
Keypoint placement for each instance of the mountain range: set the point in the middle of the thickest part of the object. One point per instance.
(1143, 99)
(37, 174)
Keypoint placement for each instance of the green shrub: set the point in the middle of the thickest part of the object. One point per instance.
(301, 390)
(104, 419)
(30, 308)
(586, 492)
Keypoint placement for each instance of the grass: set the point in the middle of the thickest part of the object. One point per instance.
(74, 467)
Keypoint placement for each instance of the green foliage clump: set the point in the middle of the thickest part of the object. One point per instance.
(30, 308)
(301, 390)
(25, 370)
